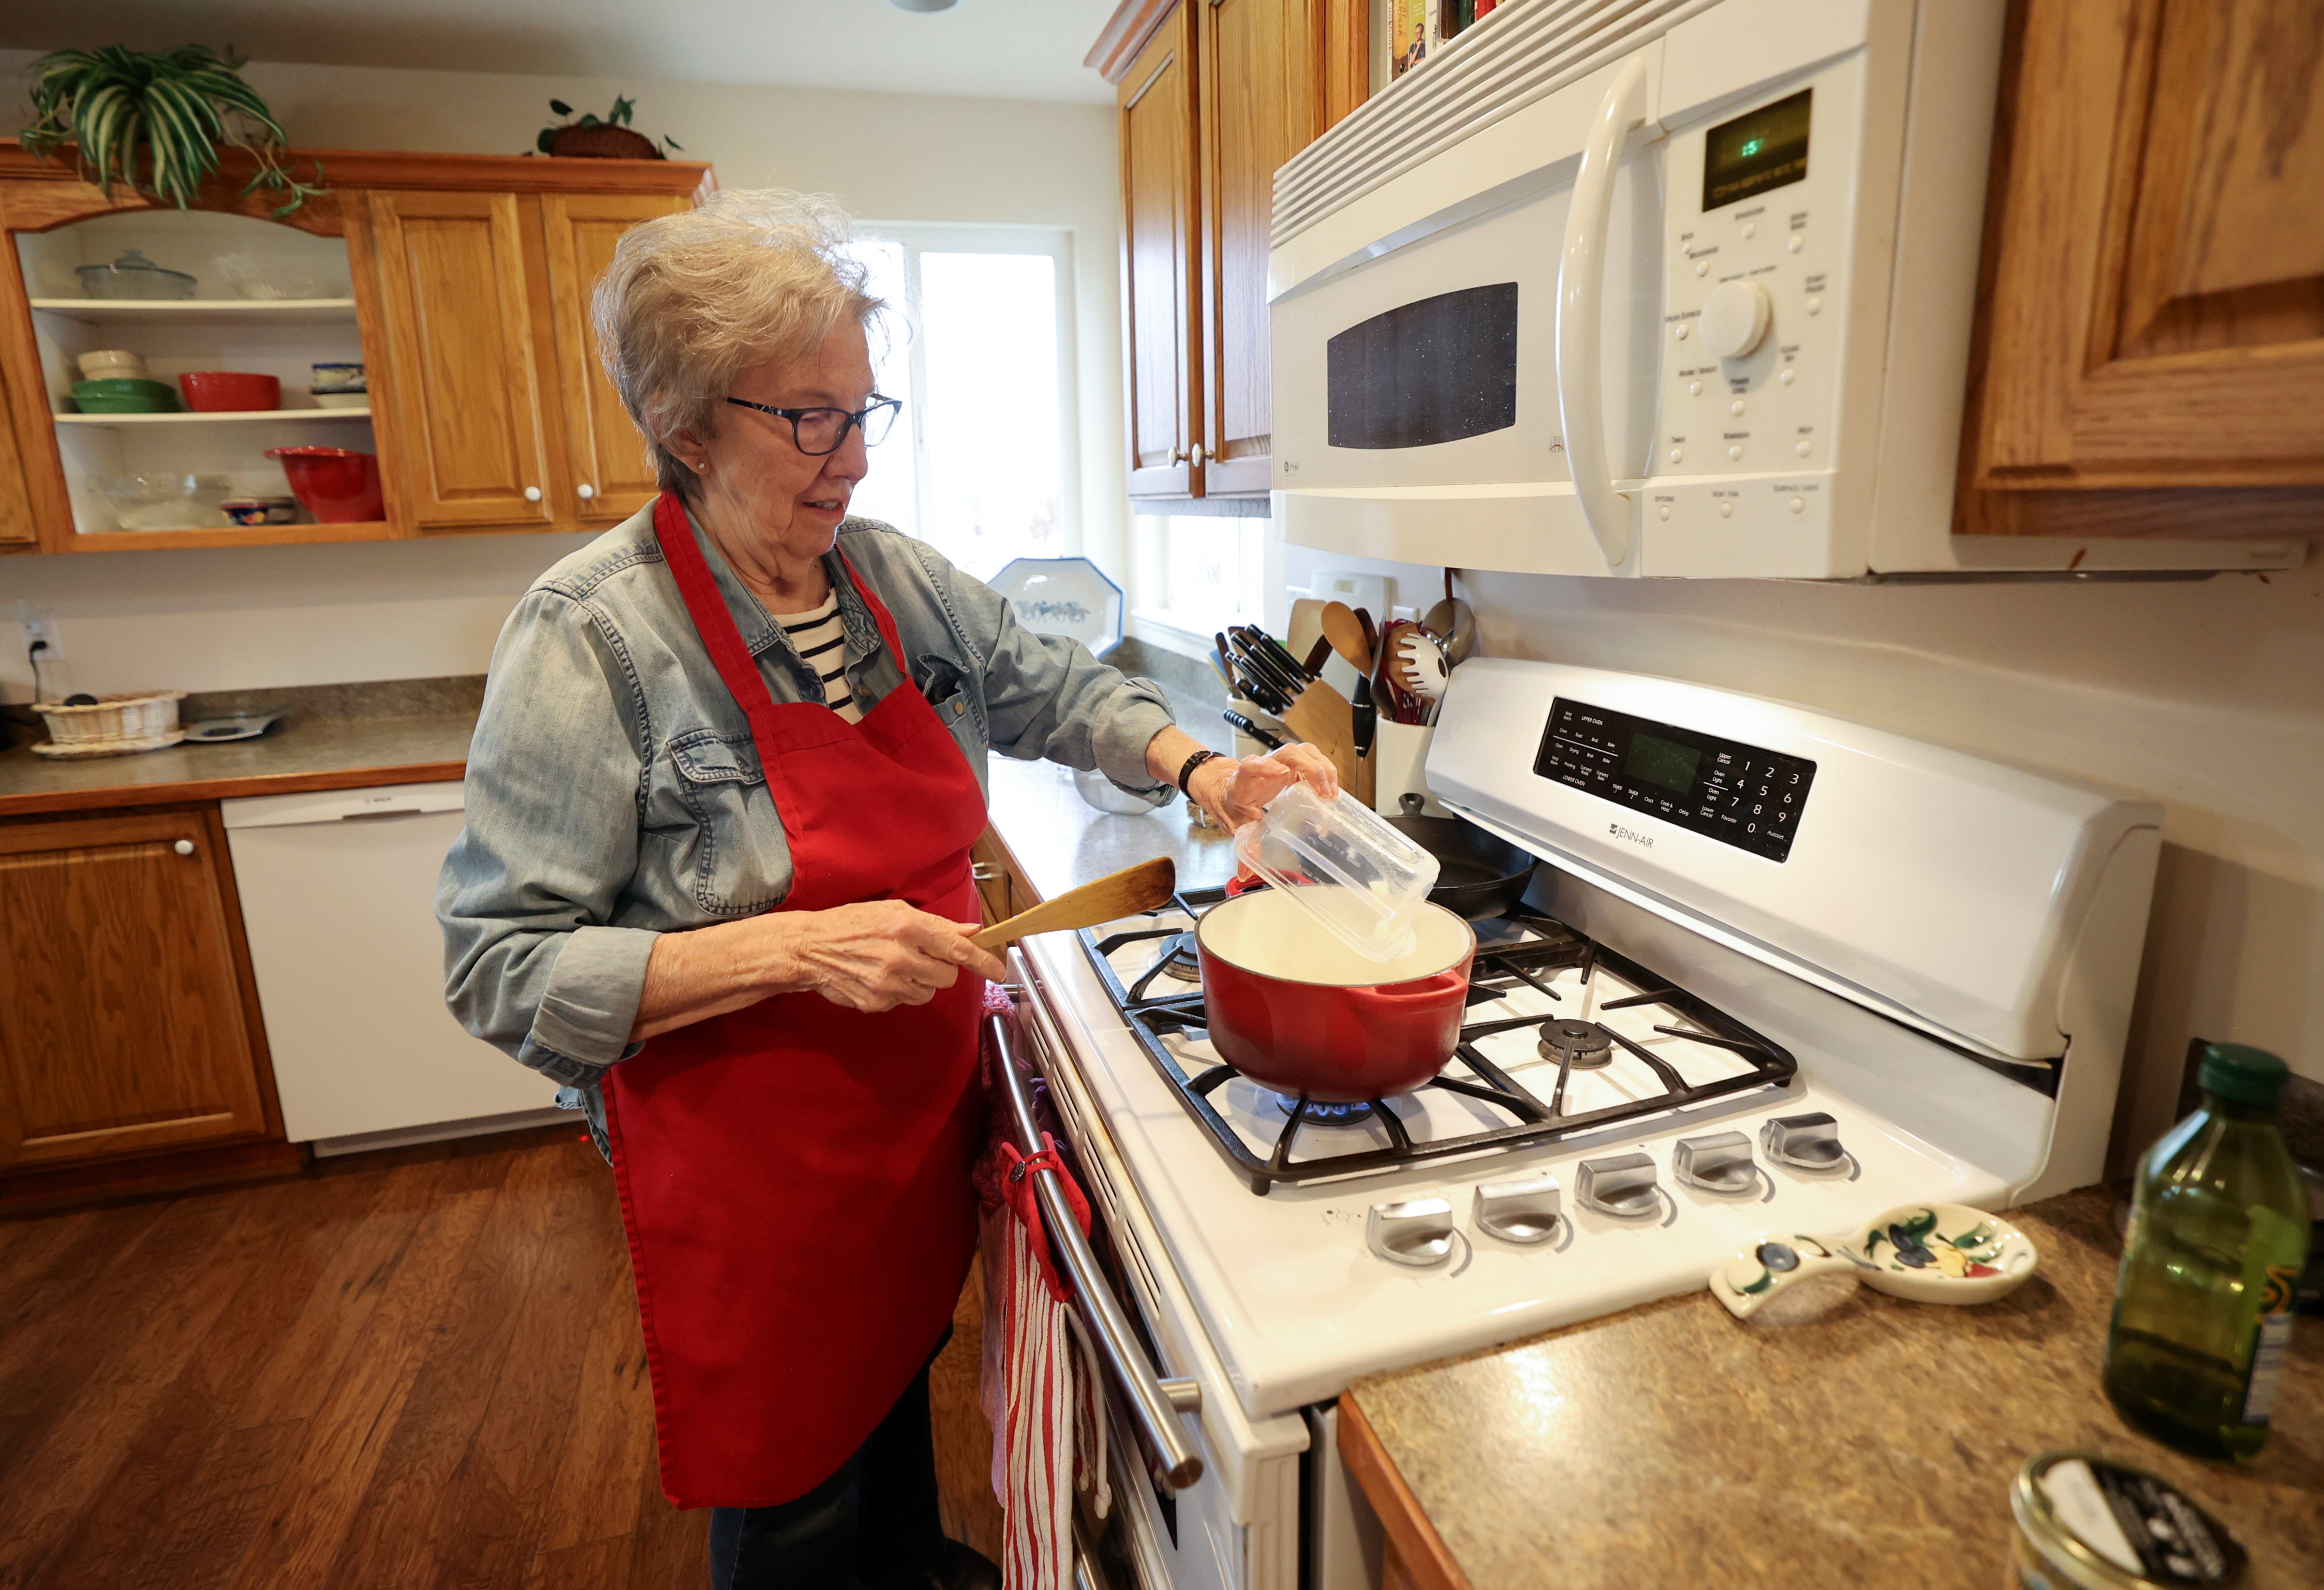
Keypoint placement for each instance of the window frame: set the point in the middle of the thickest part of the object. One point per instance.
(919, 237)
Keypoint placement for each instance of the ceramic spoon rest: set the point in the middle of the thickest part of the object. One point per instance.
(1928, 1252)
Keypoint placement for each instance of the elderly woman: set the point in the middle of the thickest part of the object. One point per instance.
(714, 882)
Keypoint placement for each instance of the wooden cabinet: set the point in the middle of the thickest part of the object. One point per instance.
(465, 383)
(1001, 887)
(469, 279)
(1159, 269)
(613, 476)
(127, 1027)
(2150, 346)
(1213, 95)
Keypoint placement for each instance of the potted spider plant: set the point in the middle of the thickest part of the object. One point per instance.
(156, 123)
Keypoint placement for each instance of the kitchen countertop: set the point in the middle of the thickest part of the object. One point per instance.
(1059, 841)
(1873, 1444)
(334, 737)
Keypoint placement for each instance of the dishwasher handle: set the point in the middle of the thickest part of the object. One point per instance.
(296, 811)
(1154, 1402)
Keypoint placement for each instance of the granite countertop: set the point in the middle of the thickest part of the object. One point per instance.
(1873, 1444)
(336, 736)
(1059, 841)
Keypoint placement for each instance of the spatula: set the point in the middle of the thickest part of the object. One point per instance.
(1124, 893)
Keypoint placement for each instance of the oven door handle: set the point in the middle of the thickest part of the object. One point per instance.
(1581, 300)
(1155, 1403)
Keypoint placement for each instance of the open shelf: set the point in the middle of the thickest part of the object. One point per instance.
(228, 417)
(239, 535)
(199, 312)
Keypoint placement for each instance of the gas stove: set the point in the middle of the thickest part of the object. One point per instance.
(1563, 1041)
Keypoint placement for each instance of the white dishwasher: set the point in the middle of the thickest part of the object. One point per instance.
(339, 899)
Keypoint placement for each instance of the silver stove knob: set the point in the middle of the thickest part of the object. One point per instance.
(1806, 1142)
(1417, 1232)
(1621, 1184)
(1525, 1212)
(1719, 1161)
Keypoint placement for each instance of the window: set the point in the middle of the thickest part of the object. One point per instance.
(1197, 574)
(980, 347)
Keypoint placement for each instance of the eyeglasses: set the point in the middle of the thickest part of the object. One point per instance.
(817, 431)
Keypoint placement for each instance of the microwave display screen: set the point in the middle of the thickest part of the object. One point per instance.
(1738, 794)
(1759, 149)
(1431, 371)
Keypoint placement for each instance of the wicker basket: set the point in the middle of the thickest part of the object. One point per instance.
(113, 718)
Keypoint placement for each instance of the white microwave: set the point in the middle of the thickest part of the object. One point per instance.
(1655, 288)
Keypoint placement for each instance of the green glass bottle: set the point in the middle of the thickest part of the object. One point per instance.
(2218, 1230)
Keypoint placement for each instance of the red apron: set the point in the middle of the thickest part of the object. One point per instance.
(795, 1177)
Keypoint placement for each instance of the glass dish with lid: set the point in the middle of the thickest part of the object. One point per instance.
(134, 276)
(1359, 879)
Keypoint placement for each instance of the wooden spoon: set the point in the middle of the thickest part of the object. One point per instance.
(1346, 633)
(1124, 893)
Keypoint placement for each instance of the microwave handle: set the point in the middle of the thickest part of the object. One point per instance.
(1155, 1403)
(1581, 296)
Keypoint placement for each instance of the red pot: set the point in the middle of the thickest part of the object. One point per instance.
(335, 486)
(225, 392)
(1293, 1008)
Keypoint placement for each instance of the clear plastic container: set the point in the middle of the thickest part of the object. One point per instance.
(1346, 867)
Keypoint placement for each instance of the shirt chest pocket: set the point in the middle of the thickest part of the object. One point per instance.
(739, 864)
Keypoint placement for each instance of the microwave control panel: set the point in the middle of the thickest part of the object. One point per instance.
(1736, 794)
(1757, 208)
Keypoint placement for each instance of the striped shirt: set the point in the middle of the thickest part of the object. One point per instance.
(823, 642)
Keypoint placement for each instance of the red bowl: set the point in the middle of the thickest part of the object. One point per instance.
(227, 391)
(335, 486)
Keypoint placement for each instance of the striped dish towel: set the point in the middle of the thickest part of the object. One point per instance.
(1040, 1390)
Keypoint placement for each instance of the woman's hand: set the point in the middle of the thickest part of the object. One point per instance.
(876, 956)
(1236, 792)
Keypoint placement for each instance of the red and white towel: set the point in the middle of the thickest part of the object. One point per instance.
(1040, 1391)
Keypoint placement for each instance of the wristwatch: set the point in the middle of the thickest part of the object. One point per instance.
(1194, 761)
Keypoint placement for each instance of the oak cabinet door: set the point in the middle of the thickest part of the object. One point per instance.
(613, 475)
(2152, 341)
(465, 388)
(1261, 103)
(1161, 274)
(16, 525)
(125, 1028)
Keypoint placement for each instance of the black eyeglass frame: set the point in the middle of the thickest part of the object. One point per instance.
(856, 420)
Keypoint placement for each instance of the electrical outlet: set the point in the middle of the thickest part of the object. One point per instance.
(40, 624)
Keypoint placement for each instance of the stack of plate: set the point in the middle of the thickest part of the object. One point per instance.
(124, 394)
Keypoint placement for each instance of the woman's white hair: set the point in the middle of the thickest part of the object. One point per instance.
(692, 298)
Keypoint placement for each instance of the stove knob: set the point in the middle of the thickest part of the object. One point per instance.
(1806, 1142)
(1417, 1232)
(1719, 1162)
(1621, 1184)
(1525, 1212)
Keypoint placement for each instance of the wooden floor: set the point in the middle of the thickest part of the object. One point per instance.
(422, 1369)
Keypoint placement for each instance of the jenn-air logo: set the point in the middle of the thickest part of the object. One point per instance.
(1632, 835)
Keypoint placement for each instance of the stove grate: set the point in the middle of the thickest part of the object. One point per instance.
(1498, 968)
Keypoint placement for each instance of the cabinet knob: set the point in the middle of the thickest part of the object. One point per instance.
(985, 871)
(1196, 458)
(586, 492)
(532, 494)
(183, 847)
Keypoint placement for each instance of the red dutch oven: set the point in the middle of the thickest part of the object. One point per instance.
(1294, 1009)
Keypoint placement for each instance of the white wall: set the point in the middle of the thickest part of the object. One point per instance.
(215, 620)
(2207, 697)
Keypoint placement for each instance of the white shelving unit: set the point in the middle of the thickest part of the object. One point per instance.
(218, 329)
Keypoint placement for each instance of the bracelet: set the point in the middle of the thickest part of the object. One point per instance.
(1194, 761)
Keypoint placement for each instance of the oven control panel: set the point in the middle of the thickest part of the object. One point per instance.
(1738, 794)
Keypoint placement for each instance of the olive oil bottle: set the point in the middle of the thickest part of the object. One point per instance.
(2219, 1229)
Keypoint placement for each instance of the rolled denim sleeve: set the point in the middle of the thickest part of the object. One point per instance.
(1047, 696)
(528, 894)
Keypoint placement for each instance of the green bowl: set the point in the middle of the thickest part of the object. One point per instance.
(96, 403)
(123, 386)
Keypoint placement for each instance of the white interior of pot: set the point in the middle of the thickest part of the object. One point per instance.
(1267, 932)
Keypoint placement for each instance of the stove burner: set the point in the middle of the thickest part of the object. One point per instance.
(1178, 962)
(1320, 1113)
(1584, 1045)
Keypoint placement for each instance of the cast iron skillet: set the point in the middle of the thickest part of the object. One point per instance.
(1478, 875)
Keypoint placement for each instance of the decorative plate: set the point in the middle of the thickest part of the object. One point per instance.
(1944, 1253)
(1068, 597)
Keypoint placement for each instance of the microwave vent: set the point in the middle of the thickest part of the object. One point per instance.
(1503, 63)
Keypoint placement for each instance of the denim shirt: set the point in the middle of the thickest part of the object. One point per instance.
(614, 793)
